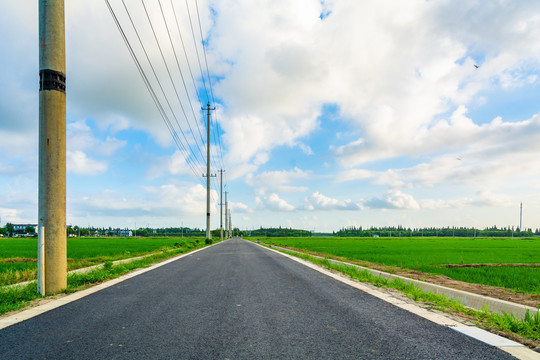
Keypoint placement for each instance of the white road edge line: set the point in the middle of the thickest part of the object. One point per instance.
(35, 311)
(515, 349)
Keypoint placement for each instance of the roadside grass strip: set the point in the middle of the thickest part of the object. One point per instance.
(440, 255)
(528, 327)
(18, 297)
(18, 256)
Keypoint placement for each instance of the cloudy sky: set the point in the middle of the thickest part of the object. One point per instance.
(329, 113)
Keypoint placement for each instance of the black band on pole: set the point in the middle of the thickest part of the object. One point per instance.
(52, 80)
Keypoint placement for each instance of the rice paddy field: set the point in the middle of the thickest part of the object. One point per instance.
(18, 256)
(433, 254)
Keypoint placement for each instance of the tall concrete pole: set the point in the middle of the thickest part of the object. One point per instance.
(521, 216)
(230, 225)
(226, 217)
(208, 175)
(52, 144)
(221, 205)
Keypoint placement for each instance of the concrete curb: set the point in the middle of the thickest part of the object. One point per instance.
(475, 301)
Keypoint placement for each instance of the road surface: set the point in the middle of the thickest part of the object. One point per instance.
(235, 300)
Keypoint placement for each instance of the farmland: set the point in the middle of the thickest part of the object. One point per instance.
(18, 256)
(431, 254)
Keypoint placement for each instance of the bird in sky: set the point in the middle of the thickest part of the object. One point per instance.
(476, 66)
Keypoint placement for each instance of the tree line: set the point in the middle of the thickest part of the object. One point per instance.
(352, 231)
(399, 231)
(277, 232)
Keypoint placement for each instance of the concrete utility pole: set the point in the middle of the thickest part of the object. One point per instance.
(230, 225)
(52, 271)
(521, 216)
(221, 205)
(208, 175)
(226, 218)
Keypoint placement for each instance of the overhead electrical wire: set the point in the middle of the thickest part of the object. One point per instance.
(169, 117)
(208, 99)
(153, 95)
(170, 77)
(191, 152)
(204, 51)
(181, 74)
(216, 134)
(197, 52)
(216, 131)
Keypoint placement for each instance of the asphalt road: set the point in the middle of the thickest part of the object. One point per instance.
(235, 300)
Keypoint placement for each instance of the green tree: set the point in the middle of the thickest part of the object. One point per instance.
(30, 230)
(10, 229)
(70, 231)
(3, 231)
(142, 232)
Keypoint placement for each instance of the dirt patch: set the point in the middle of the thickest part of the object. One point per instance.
(486, 290)
(491, 265)
(14, 260)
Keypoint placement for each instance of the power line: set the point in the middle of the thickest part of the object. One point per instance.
(216, 132)
(149, 86)
(167, 111)
(199, 62)
(172, 81)
(181, 74)
(197, 51)
(204, 52)
(186, 56)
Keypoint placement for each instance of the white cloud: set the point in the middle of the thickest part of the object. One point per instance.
(393, 200)
(490, 155)
(482, 199)
(157, 201)
(80, 137)
(239, 207)
(305, 148)
(9, 215)
(274, 203)
(419, 66)
(318, 201)
(277, 181)
(79, 163)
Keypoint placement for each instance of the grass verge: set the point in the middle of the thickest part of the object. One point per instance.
(18, 256)
(528, 328)
(432, 254)
(15, 298)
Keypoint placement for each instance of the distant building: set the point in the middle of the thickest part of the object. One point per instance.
(125, 233)
(19, 230)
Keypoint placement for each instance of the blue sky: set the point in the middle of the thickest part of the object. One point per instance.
(331, 114)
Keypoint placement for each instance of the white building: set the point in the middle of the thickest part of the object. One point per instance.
(125, 233)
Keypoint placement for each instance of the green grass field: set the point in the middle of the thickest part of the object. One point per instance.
(431, 254)
(81, 252)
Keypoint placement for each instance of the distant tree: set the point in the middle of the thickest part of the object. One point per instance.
(3, 231)
(30, 230)
(10, 229)
(70, 231)
(84, 232)
(142, 232)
